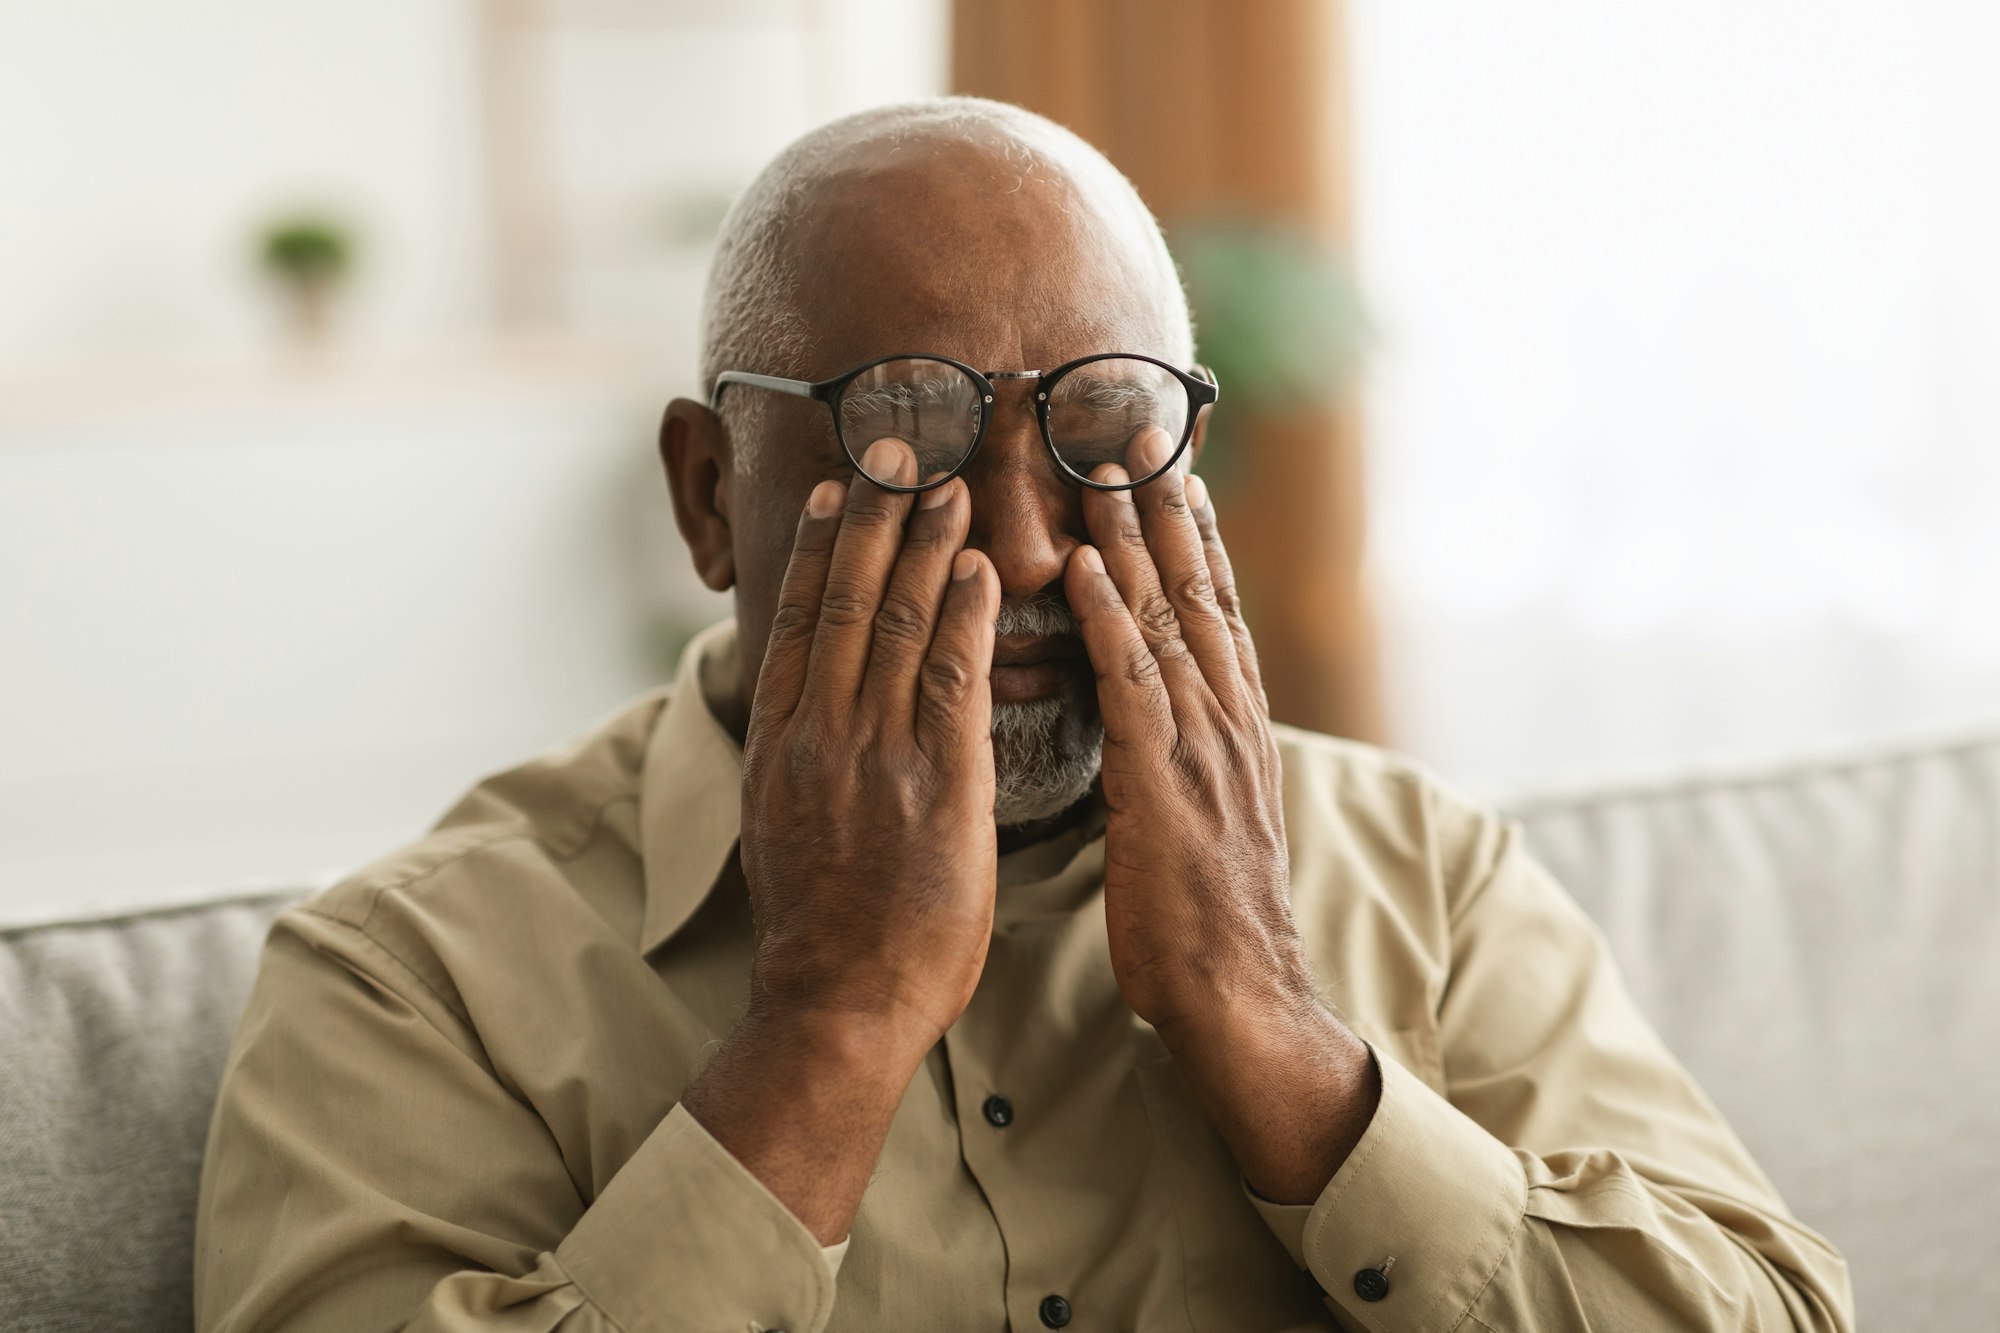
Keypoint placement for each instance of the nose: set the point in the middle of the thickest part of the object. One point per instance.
(1024, 517)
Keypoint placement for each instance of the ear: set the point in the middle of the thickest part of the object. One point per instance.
(695, 454)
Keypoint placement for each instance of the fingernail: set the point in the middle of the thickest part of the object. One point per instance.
(1197, 494)
(934, 497)
(1092, 561)
(884, 460)
(1117, 476)
(824, 502)
(964, 565)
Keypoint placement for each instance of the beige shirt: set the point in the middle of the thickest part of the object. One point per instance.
(453, 1100)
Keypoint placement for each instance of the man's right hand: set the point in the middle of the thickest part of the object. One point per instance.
(868, 837)
(868, 840)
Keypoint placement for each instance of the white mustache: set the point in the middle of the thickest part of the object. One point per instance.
(1044, 615)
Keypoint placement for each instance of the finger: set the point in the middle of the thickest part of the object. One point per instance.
(1222, 578)
(908, 618)
(871, 532)
(1175, 547)
(788, 648)
(1131, 691)
(954, 693)
(1113, 520)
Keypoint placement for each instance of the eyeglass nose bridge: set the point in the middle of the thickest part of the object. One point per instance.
(990, 375)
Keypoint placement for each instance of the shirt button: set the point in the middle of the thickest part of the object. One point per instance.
(1371, 1284)
(1055, 1311)
(999, 1113)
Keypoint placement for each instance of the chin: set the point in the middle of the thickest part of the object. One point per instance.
(1046, 754)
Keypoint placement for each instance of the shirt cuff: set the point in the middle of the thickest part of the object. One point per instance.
(1428, 1201)
(684, 1237)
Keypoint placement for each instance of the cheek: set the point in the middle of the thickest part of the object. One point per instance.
(763, 537)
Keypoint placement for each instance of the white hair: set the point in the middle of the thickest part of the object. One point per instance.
(751, 318)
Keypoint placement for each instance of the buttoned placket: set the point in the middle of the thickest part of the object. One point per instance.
(1052, 1118)
(1000, 1144)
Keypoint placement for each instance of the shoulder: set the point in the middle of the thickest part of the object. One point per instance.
(544, 850)
(1365, 823)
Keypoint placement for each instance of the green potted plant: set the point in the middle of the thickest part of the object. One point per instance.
(309, 258)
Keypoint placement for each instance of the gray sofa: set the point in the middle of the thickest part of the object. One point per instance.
(1821, 945)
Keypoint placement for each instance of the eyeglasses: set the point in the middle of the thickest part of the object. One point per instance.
(1091, 410)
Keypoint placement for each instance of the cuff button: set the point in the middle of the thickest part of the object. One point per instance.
(1371, 1284)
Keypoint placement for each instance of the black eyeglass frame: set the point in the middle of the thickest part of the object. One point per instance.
(1202, 391)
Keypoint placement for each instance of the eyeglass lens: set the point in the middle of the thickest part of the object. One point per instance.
(932, 406)
(1098, 411)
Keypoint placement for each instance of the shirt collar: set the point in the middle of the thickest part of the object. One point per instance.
(691, 793)
(691, 809)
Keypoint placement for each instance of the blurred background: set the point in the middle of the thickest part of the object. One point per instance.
(1608, 390)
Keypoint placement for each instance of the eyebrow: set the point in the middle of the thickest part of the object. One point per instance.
(1092, 391)
(904, 393)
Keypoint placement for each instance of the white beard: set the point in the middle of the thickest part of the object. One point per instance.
(1046, 752)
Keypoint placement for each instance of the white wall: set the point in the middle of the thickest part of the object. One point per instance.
(1684, 425)
(145, 144)
(264, 615)
(260, 635)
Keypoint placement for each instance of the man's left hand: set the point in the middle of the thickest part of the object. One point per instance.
(1196, 880)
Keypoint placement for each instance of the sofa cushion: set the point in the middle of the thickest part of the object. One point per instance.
(1821, 947)
(112, 1038)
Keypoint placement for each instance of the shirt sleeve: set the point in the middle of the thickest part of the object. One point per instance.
(1571, 1176)
(368, 1169)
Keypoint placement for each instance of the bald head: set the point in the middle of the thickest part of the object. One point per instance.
(953, 203)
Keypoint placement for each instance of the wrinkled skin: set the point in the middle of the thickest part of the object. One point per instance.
(1196, 898)
(867, 738)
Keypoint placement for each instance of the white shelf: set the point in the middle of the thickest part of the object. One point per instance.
(164, 391)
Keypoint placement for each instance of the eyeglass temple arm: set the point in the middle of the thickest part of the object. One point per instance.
(797, 388)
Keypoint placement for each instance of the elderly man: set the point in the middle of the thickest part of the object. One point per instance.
(957, 945)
